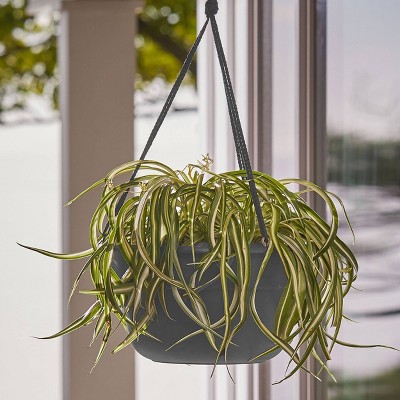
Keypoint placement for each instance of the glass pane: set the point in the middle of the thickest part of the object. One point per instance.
(284, 88)
(30, 203)
(30, 160)
(284, 139)
(364, 169)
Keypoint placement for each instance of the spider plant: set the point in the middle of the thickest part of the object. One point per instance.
(166, 209)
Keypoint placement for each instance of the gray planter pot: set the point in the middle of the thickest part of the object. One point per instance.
(250, 340)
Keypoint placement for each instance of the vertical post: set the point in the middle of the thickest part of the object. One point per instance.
(260, 84)
(312, 130)
(259, 124)
(97, 62)
(312, 93)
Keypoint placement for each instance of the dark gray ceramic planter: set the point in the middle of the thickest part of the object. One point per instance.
(250, 340)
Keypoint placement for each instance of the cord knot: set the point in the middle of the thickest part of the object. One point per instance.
(211, 7)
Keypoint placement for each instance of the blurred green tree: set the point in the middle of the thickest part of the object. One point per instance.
(167, 29)
(27, 56)
(28, 46)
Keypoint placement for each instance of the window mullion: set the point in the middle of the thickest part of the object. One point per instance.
(312, 132)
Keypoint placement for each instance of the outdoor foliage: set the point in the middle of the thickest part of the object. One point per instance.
(167, 29)
(357, 161)
(383, 386)
(27, 56)
(28, 47)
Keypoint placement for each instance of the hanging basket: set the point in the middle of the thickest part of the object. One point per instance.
(249, 342)
(280, 297)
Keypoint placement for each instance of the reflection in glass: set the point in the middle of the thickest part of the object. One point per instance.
(284, 141)
(364, 169)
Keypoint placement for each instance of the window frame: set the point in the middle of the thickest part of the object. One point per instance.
(256, 92)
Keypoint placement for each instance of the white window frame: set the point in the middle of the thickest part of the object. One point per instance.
(246, 32)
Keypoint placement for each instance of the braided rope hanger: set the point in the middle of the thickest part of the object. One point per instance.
(211, 9)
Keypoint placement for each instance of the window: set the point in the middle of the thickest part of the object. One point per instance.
(363, 81)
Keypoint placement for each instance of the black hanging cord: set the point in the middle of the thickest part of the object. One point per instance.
(182, 73)
(211, 8)
(240, 143)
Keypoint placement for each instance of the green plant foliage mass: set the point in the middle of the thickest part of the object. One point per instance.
(167, 29)
(167, 209)
(27, 56)
(28, 47)
(383, 386)
(355, 161)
